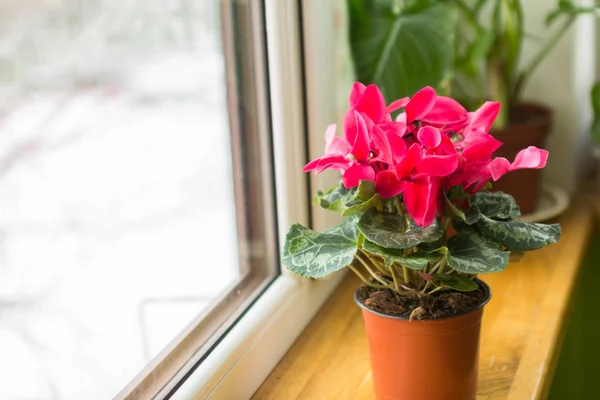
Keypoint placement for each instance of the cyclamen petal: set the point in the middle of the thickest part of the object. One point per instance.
(407, 165)
(484, 117)
(387, 184)
(398, 104)
(356, 93)
(421, 198)
(381, 142)
(329, 135)
(398, 146)
(420, 104)
(438, 165)
(531, 157)
(335, 144)
(393, 127)
(445, 111)
(482, 149)
(338, 146)
(357, 172)
(498, 167)
(361, 147)
(401, 118)
(429, 136)
(318, 165)
(372, 104)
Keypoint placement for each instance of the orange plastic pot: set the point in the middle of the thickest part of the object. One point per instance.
(424, 360)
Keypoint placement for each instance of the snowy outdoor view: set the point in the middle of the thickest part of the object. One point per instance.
(114, 145)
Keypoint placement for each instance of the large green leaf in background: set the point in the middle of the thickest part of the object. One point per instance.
(315, 255)
(402, 46)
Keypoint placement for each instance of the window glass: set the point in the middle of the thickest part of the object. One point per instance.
(128, 167)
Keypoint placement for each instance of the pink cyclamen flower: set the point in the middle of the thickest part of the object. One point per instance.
(350, 159)
(433, 145)
(430, 109)
(531, 157)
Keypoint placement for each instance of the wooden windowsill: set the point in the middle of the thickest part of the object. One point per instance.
(521, 335)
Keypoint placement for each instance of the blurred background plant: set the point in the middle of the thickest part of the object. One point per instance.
(470, 49)
(488, 51)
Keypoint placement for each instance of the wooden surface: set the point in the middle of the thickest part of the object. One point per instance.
(521, 334)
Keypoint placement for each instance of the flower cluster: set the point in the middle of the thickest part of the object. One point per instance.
(432, 145)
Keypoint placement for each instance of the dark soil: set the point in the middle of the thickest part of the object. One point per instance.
(436, 305)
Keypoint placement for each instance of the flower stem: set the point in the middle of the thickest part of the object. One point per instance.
(437, 266)
(437, 289)
(375, 263)
(393, 273)
(368, 268)
(365, 280)
(406, 274)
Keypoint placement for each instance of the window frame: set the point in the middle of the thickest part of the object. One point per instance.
(248, 104)
(302, 105)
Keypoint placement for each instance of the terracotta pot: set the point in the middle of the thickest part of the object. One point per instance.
(424, 360)
(533, 124)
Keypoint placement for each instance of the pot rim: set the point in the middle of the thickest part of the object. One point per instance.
(486, 288)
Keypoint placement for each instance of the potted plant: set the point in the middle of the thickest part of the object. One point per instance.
(404, 183)
(471, 49)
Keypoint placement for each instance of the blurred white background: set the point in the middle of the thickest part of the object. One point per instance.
(117, 219)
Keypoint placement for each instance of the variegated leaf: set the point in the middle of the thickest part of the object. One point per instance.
(496, 205)
(473, 253)
(315, 255)
(519, 235)
(385, 229)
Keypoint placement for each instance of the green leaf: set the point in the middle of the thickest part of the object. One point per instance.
(455, 281)
(349, 201)
(402, 49)
(457, 193)
(416, 261)
(363, 192)
(385, 229)
(362, 207)
(512, 37)
(476, 52)
(335, 198)
(472, 253)
(434, 247)
(568, 8)
(478, 5)
(463, 226)
(497, 205)
(519, 235)
(315, 255)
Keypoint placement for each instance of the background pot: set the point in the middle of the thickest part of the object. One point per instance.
(531, 126)
(429, 359)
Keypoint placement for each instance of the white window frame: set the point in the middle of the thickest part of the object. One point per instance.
(253, 347)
